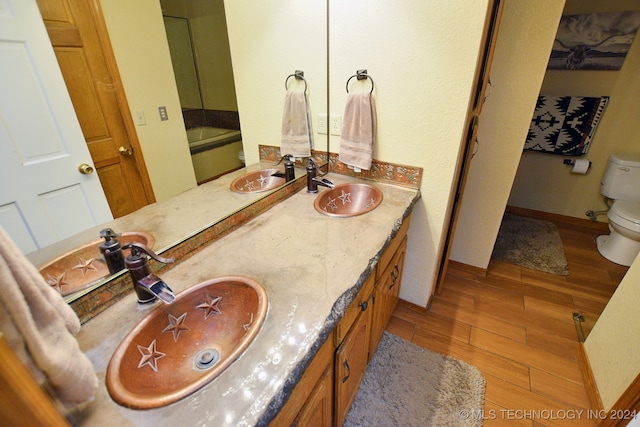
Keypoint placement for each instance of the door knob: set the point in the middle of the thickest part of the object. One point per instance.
(85, 169)
(125, 151)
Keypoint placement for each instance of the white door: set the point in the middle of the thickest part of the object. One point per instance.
(43, 195)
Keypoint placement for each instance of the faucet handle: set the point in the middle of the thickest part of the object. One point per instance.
(314, 165)
(138, 248)
(288, 158)
(108, 234)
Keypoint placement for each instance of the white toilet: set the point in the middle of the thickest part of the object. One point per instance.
(621, 182)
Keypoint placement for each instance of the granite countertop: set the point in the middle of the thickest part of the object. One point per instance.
(169, 221)
(311, 267)
(172, 220)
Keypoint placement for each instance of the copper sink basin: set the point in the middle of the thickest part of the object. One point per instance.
(257, 181)
(82, 267)
(348, 200)
(180, 347)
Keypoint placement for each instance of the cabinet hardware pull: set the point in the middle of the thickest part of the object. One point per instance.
(345, 363)
(394, 275)
(364, 305)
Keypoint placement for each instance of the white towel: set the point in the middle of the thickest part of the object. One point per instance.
(358, 130)
(40, 322)
(297, 138)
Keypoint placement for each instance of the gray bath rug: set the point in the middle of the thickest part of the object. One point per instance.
(530, 243)
(407, 385)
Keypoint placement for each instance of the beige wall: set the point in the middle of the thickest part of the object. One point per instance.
(211, 48)
(524, 42)
(543, 183)
(140, 45)
(613, 346)
(213, 57)
(422, 56)
(270, 40)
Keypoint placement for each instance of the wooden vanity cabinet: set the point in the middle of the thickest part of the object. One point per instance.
(352, 354)
(311, 401)
(386, 295)
(328, 387)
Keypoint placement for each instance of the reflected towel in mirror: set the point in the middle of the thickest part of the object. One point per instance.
(40, 327)
(358, 130)
(297, 137)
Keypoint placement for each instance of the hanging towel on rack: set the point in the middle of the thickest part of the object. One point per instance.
(41, 328)
(297, 137)
(358, 130)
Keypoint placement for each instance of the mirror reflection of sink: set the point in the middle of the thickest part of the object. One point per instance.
(347, 200)
(82, 267)
(178, 348)
(257, 181)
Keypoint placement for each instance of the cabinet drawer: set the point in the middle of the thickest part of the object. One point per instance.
(385, 295)
(307, 387)
(350, 364)
(351, 314)
(389, 253)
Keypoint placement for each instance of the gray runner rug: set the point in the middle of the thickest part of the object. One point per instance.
(530, 243)
(407, 385)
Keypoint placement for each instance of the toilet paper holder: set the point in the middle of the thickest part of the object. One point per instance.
(572, 162)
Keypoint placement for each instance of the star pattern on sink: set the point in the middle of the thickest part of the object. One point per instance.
(249, 185)
(57, 282)
(84, 265)
(246, 326)
(331, 204)
(210, 306)
(263, 180)
(345, 197)
(177, 325)
(150, 356)
(371, 203)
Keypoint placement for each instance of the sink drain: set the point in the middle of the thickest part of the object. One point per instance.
(206, 359)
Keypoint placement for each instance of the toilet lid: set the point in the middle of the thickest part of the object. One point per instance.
(627, 210)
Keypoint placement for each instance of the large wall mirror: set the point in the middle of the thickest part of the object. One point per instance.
(268, 41)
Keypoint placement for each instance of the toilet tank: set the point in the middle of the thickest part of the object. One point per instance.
(621, 179)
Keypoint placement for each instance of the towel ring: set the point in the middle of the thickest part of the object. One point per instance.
(299, 75)
(361, 75)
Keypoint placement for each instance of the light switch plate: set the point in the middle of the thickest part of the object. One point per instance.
(138, 117)
(322, 124)
(162, 110)
(336, 124)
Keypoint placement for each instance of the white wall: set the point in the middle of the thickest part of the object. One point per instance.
(140, 46)
(525, 38)
(422, 57)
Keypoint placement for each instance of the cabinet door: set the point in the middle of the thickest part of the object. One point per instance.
(385, 295)
(317, 411)
(393, 288)
(351, 363)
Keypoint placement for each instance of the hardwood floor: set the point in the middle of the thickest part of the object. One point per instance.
(516, 326)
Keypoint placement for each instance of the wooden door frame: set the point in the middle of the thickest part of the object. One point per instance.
(465, 153)
(112, 66)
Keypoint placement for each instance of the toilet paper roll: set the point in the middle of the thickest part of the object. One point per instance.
(580, 166)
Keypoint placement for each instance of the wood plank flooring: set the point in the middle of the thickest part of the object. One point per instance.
(516, 326)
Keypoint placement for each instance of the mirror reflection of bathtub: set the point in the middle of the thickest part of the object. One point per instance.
(214, 151)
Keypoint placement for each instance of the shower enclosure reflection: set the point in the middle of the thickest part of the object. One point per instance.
(200, 55)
